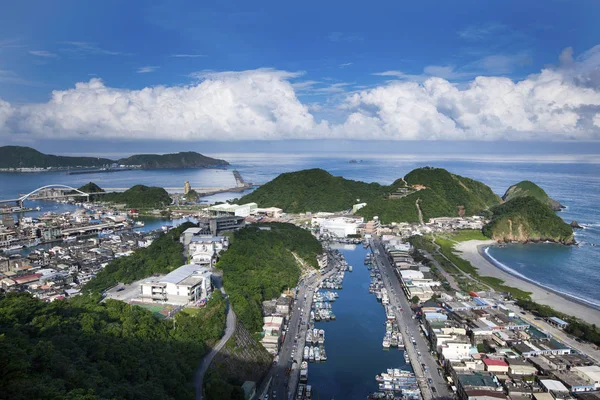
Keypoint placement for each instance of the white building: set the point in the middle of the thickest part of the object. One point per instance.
(590, 374)
(455, 351)
(187, 284)
(237, 210)
(205, 249)
(339, 227)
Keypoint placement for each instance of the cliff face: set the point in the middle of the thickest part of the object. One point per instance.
(528, 188)
(526, 219)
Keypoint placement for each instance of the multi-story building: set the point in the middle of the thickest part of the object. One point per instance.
(187, 284)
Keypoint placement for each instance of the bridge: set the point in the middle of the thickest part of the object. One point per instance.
(19, 201)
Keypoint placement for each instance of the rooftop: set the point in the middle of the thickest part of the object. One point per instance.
(183, 272)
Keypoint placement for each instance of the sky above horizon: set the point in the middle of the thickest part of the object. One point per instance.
(75, 73)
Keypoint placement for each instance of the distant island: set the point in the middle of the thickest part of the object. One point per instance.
(422, 194)
(19, 157)
(188, 159)
(138, 196)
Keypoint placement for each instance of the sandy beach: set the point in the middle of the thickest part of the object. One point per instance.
(472, 251)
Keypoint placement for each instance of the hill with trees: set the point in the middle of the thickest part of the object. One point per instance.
(188, 159)
(139, 196)
(313, 190)
(163, 256)
(528, 188)
(26, 157)
(259, 265)
(86, 349)
(526, 219)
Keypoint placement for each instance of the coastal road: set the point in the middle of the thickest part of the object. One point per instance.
(207, 359)
(407, 323)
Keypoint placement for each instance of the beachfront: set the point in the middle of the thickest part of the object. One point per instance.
(472, 251)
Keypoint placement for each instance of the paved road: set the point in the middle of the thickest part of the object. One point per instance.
(407, 324)
(207, 359)
(278, 380)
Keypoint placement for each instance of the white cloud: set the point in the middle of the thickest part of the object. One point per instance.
(6, 111)
(147, 69)
(344, 65)
(558, 103)
(259, 104)
(42, 53)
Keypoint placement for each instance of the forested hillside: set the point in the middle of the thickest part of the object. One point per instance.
(259, 266)
(313, 190)
(526, 219)
(187, 159)
(26, 157)
(528, 188)
(139, 196)
(161, 257)
(86, 349)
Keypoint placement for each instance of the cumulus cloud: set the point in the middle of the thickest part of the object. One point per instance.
(561, 102)
(259, 104)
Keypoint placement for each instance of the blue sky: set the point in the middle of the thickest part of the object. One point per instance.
(303, 70)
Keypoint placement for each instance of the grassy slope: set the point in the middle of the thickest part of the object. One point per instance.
(528, 188)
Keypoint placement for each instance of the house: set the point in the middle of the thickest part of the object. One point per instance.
(187, 284)
(272, 329)
(518, 366)
(495, 365)
(557, 322)
(590, 374)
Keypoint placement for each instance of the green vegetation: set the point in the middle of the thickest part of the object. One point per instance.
(456, 191)
(162, 256)
(442, 194)
(140, 196)
(259, 265)
(313, 190)
(467, 234)
(528, 188)
(577, 328)
(188, 159)
(86, 349)
(91, 187)
(26, 157)
(527, 219)
(192, 196)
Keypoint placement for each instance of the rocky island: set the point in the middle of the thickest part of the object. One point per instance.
(528, 188)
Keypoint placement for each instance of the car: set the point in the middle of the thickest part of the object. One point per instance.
(523, 312)
(120, 289)
(430, 381)
(274, 394)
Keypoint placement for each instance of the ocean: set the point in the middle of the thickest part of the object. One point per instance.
(573, 270)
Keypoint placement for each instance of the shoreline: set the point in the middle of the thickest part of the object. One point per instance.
(474, 252)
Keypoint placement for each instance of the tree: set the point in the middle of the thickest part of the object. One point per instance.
(415, 300)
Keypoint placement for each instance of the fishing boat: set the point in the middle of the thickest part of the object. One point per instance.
(317, 354)
(306, 354)
(321, 336)
(323, 354)
(311, 354)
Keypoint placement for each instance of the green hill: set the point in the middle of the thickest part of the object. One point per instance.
(140, 196)
(528, 188)
(438, 192)
(188, 159)
(526, 219)
(26, 157)
(313, 190)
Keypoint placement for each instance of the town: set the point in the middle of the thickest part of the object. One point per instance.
(467, 344)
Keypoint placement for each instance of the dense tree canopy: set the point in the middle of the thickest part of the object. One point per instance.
(140, 196)
(162, 256)
(526, 218)
(86, 349)
(259, 265)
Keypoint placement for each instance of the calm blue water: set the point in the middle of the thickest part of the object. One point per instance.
(353, 340)
(572, 270)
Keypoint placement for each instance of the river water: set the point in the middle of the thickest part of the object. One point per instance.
(353, 340)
